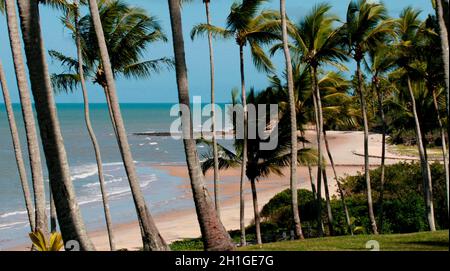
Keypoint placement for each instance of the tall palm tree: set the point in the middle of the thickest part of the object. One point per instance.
(441, 7)
(261, 162)
(28, 118)
(294, 143)
(213, 119)
(366, 25)
(316, 43)
(336, 111)
(69, 217)
(214, 235)
(248, 26)
(381, 62)
(128, 32)
(151, 238)
(72, 14)
(408, 29)
(17, 150)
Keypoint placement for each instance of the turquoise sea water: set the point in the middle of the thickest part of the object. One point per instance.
(162, 191)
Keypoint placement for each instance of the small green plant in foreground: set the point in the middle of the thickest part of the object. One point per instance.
(54, 243)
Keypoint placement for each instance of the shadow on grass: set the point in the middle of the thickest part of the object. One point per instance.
(443, 244)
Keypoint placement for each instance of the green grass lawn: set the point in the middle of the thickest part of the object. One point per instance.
(422, 241)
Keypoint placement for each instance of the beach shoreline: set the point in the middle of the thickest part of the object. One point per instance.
(183, 223)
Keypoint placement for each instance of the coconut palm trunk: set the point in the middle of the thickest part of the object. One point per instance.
(213, 117)
(311, 177)
(69, 216)
(426, 174)
(17, 150)
(443, 143)
(293, 119)
(319, 154)
(383, 155)
(338, 183)
(110, 111)
(443, 28)
(28, 118)
(214, 235)
(53, 215)
(366, 147)
(87, 118)
(256, 212)
(244, 147)
(323, 167)
(151, 238)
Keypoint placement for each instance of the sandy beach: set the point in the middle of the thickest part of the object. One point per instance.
(346, 148)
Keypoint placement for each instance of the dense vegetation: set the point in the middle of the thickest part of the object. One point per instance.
(403, 211)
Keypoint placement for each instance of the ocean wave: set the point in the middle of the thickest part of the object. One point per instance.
(114, 192)
(116, 180)
(13, 224)
(13, 214)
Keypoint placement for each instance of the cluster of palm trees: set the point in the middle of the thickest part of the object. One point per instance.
(402, 58)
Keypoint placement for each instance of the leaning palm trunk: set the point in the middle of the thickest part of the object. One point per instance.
(87, 118)
(311, 177)
(426, 174)
(214, 235)
(443, 28)
(151, 238)
(292, 111)
(443, 143)
(256, 212)
(383, 156)
(341, 192)
(28, 117)
(328, 201)
(244, 148)
(213, 117)
(17, 150)
(366, 148)
(69, 216)
(324, 170)
(319, 154)
(53, 215)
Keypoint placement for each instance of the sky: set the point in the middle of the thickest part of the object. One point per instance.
(162, 87)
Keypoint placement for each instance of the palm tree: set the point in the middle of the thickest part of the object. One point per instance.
(248, 27)
(366, 25)
(336, 111)
(17, 150)
(382, 62)
(213, 120)
(317, 43)
(214, 235)
(294, 143)
(408, 29)
(69, 217)
(128, 32)
(73, 11)
(28, 118)
(151, 238)
(261, 162)
(441, 7)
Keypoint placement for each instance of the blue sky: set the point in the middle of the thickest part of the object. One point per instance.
(162, 87)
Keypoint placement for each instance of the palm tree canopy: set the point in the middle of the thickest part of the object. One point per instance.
(261, 162)
(366, 25)
(315, 39)
(128, 33)
(249, 26)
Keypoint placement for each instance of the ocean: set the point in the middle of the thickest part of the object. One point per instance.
(163, 192)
